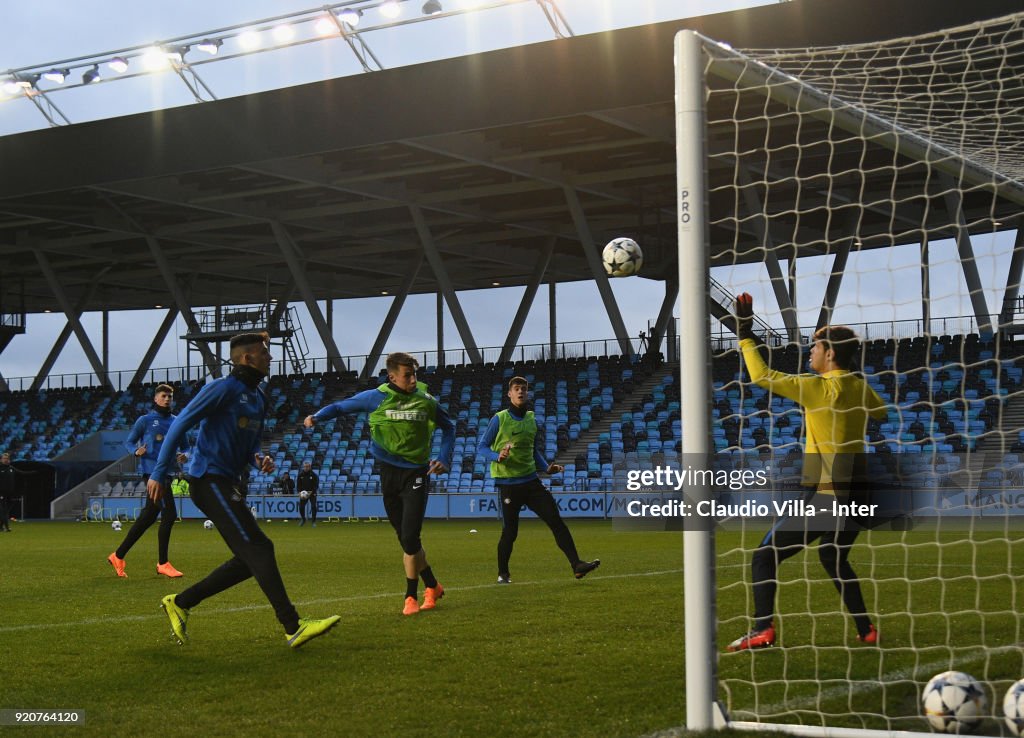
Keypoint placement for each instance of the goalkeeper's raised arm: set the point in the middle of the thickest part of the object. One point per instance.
(836, 402)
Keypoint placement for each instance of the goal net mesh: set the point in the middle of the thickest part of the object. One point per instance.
(878, 187)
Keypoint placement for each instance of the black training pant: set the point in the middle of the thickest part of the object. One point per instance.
(534, 495)
(5, 513)
(222, 501)
(785, 540)
(311, 500)
(168, 513)
(405, 502)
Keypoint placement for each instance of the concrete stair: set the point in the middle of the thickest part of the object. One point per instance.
(994, 444)
(594, 432)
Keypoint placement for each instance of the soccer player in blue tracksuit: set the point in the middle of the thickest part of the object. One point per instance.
(146, 441)
(230, 413)
(510, 443)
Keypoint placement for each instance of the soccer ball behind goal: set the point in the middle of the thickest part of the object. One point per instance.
(208, 525)
(116, 525)
(1013, 708)
(622, 257)
(954, 702)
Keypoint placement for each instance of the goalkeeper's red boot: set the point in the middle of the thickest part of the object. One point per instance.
(411, 606)
(870, 637)
(754, 639)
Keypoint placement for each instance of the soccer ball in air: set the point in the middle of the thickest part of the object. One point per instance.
(208, 525)
(953, 702)
(1013, 708)
(116, 525)
(622, 257)
(304, 495)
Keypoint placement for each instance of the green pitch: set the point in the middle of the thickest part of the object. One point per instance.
(548, 655)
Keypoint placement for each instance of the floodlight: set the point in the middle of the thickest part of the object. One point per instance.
(11, 86)
(91, 75)
(210, 46)
(284, 33)
(249, 40)
(154, 59)
(390, 9)
(325, 27)
(432, 7)
(119, 64)
(176, 54)
(57, 75)
(351, 16)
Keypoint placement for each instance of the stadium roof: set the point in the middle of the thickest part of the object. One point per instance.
(472, 170)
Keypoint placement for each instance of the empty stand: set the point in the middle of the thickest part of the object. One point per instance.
(952, 412)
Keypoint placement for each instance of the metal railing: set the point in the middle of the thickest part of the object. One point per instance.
(962, 325)
(12, 320)
(120, 380)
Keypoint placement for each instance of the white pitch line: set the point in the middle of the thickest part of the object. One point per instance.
(321, 601)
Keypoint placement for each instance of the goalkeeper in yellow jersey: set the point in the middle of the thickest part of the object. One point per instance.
(836, 404)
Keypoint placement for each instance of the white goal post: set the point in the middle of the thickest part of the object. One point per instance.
(889, 177)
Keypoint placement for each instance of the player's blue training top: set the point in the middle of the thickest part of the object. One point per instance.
(485, 451)
(151, 429)
(230, 414)
(368, 401)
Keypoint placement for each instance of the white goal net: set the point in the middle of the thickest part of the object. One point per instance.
(878, 187)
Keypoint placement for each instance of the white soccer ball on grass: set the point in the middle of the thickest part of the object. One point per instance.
(954, 702)
(1013, 708)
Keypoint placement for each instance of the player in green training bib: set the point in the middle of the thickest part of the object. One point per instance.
(403, 416)
(510, 444)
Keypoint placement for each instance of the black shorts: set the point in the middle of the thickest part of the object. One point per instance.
(405, 501)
